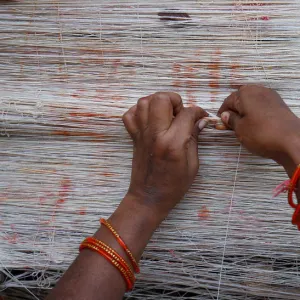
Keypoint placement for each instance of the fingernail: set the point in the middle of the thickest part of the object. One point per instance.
(202, 124)
(225, 116)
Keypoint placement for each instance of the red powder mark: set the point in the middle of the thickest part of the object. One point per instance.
(117, 98)
(64, 190)
(116, 64)
(12, 226)
(51, 220)
(172, 253)
(176, 69)
(235, 76)
(265, 18)
(42, 200)
(185, 78)
(204, 213)
(60, 201)
(77, 133)
(108, 174)
(86, 114)
(215, 74)
(75, 96)
(12, 238)
(82, 211)
(190, 74)
(1, 222)
(65, 186)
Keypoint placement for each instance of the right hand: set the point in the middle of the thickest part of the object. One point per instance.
(264, 124)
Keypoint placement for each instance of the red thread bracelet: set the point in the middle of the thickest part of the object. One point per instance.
(293, 183)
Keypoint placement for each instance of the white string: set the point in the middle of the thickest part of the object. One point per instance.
(228, 220)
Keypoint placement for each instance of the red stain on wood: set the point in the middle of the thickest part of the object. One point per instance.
(204, 213)
(215, 74)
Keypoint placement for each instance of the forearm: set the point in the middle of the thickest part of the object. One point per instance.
(95, 276)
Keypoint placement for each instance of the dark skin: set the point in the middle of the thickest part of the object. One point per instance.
(264, 124)
(165, 163)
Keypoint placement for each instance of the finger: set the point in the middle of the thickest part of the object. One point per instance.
(129, 120)
(192, 154)
(162, 108)
(231, 119)
(184, 123)
(201, 124)
(230, 103)
(142, 111)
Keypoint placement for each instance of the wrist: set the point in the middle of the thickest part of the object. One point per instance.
(132, 207)
(292, 151)
(135, 223)
(291, 157)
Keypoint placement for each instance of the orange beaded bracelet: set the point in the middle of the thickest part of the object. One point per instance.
(122, 244)
(113, 254)
(113, 257)
(292, 186)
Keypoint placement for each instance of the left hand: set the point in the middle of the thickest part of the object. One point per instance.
(165, 158)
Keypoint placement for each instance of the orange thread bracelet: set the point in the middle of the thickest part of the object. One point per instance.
(293, 183)
(122, 244)
(112, 253)
(112, 256)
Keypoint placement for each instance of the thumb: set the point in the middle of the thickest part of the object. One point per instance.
(230, 119)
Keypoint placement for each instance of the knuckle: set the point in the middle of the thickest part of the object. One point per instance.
(164, 148)
(161, 96)
(174, 153)
(142, 102)
(126, 117)
(160, 143)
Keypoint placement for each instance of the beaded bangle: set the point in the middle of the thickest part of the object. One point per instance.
(122, 244)
(122, 271)
(292, 186)
(110, 255)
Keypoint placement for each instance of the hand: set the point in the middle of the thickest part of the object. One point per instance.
(263, 123)
(165, 157)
